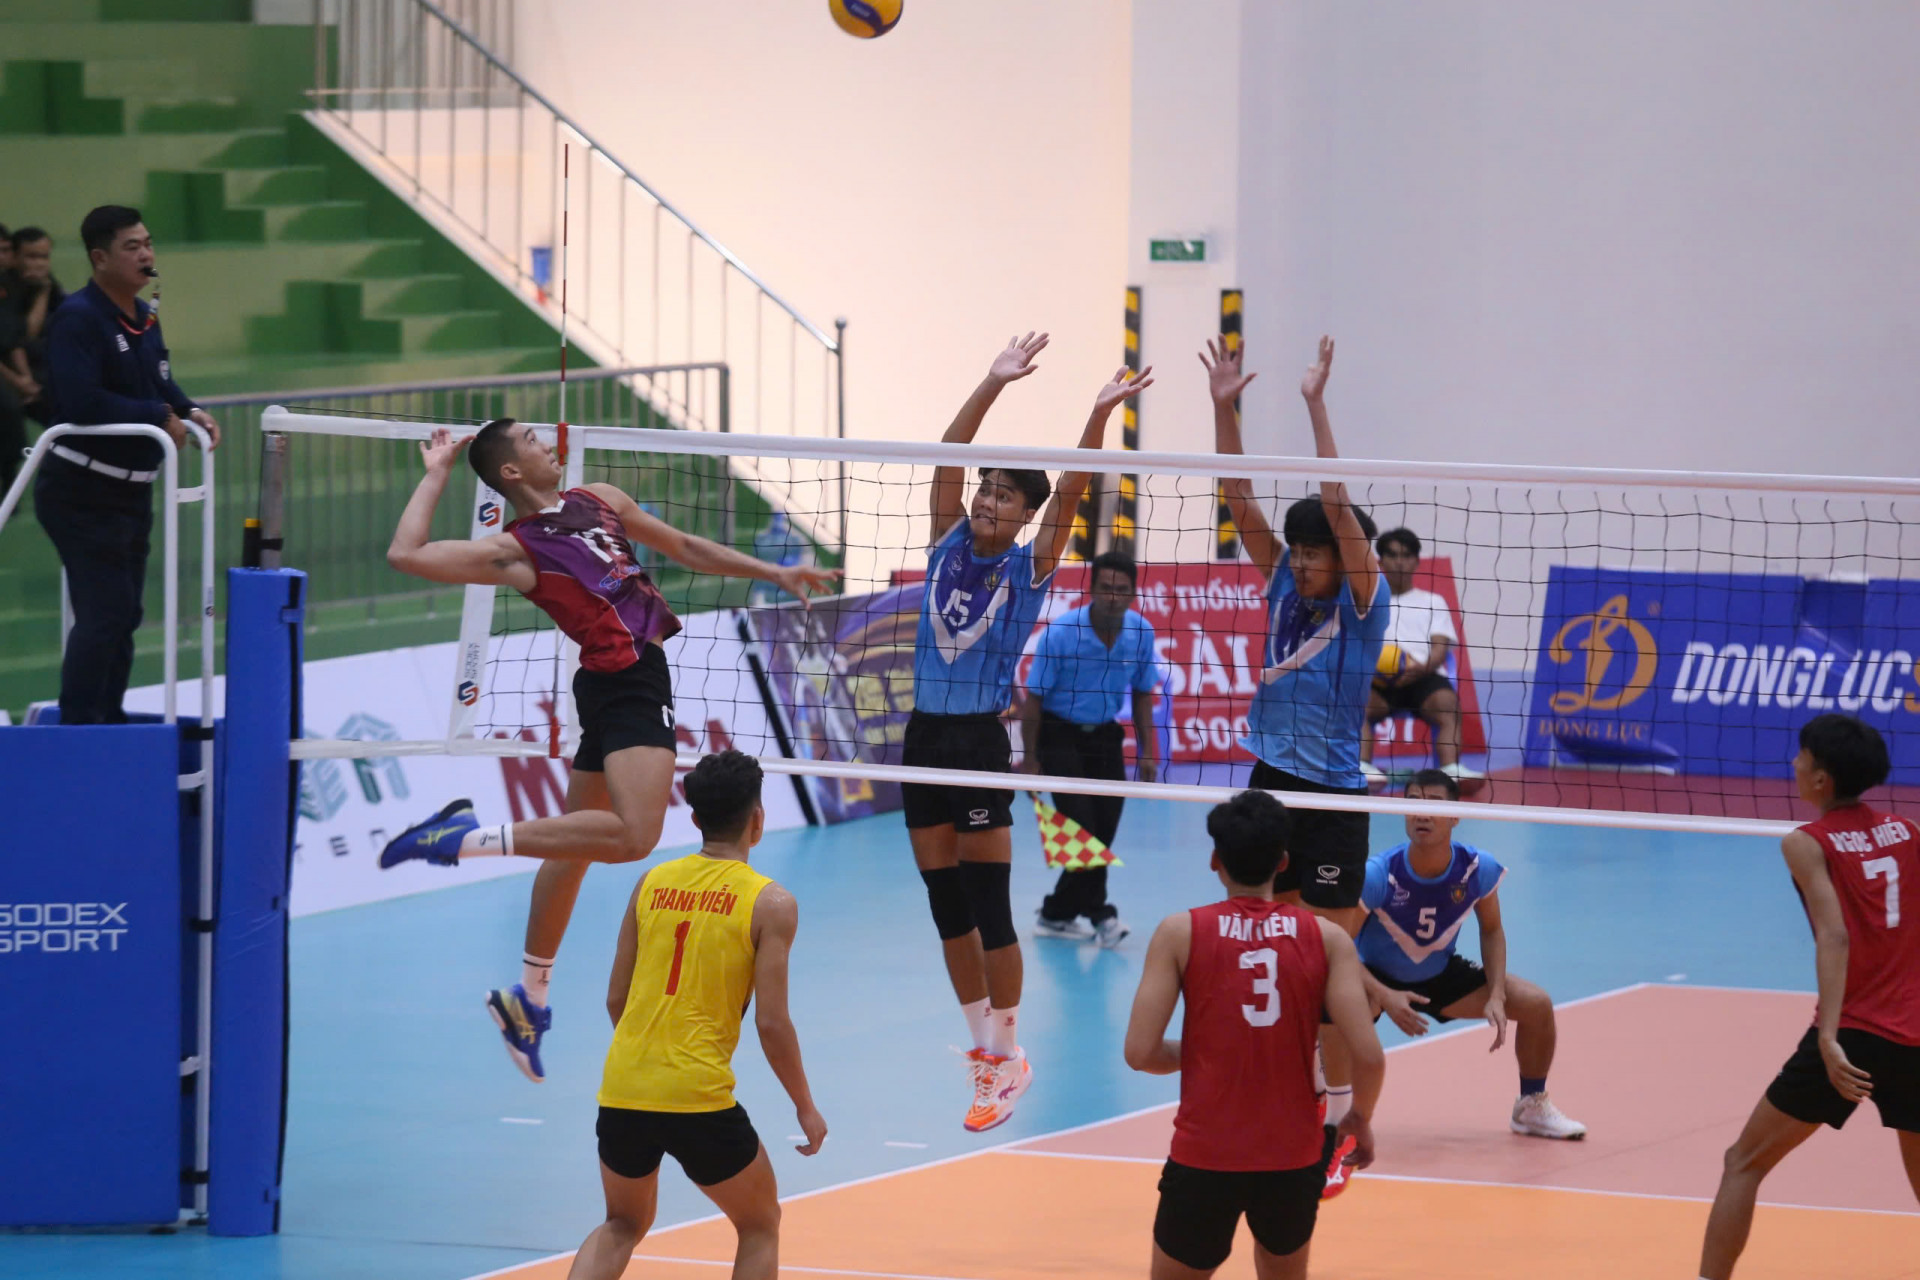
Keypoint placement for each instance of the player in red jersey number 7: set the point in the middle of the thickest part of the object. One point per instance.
(1257, 976)
(1848, 866)
(571, 554)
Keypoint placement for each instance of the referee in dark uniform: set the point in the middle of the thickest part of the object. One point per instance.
(1086, 661)
(107, 365)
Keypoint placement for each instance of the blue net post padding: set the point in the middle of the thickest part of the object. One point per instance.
(254, 798)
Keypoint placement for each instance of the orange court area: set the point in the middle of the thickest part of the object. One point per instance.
(1664, 1075)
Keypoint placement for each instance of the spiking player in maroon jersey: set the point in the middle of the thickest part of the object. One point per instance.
(1850, 866)
(570, 553)
(1257, 976)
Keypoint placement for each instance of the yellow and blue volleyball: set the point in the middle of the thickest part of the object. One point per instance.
(865, 18)
(1393, 660)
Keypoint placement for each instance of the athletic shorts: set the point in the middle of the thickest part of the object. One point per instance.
(1803, 1091)
(1460, 979)
(1326, 851)
(1200, 1208)
(1412, 694)
(631, 707)
(711, 1146)
(976, 742)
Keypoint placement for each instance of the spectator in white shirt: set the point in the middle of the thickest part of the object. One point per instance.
(1413, 665)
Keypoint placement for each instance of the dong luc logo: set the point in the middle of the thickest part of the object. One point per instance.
(61, 928)
(1619, 659)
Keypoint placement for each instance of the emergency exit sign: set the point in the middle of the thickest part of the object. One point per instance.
(1176, 250)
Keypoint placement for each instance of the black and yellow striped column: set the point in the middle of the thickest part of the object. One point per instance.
(1226, 538)
(1126, 514)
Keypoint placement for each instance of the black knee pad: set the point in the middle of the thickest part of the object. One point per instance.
(947, 896)
(989, 893)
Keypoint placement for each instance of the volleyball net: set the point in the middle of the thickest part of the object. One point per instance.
(1630, 648)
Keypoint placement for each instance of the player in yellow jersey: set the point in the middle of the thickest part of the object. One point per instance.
(703, 935)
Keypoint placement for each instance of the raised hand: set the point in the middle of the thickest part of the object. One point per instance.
(1313, 384)
(1016, 362)
(1225, 381)
(442, 450)
(803, 580)
(1125, 385)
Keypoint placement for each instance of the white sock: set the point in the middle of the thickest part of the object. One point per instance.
(979, 1020)
(1339, 1102)
(1003, 1037)
(535, 974)
(488, 842)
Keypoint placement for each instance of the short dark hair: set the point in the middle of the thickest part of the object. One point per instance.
(1118, 561)
(1306, 524)
(1249, 837)
(101, 225)
(1033, 485)
(1406, 539)
(5, 234)
(492, 448)
(1851, 751)
(28, 235)
(723, 790)
(1436, 778)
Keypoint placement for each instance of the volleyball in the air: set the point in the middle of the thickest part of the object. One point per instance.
(865, 18)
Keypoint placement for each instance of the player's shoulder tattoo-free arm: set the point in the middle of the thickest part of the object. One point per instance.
(1147, 1048)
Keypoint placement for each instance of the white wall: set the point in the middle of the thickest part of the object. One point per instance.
(1639, 233)
(961, 178)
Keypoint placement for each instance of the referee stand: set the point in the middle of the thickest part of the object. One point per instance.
(144, 927)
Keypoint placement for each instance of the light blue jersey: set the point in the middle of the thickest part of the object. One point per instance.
(1311, 706)
(975, 617)
(1078, 678)
(1413, 924)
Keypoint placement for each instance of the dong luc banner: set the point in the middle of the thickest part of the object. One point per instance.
(1715, 673)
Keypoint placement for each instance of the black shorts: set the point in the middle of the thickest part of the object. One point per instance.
(1460, 979)
(956, 742)
(1326, 851)
(1200, 1209)
(632, 707)
(711, 1146)
(1411, 695)
(1803, 1091)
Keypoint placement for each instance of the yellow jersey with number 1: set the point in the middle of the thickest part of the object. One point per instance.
(692, 979)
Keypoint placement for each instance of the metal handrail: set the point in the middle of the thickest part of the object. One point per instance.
(443, 120)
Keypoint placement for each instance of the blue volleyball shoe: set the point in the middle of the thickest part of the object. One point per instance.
(521, 1023)
(437, 840)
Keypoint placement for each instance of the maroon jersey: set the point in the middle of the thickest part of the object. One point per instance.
(1870, 857)
(1255, 984)
(589, 583)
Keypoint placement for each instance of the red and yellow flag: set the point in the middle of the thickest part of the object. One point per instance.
(1068, 845)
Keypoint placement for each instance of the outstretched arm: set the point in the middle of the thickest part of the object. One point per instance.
(950, 483)
(776, 917)
(703, 555)
(499, 561)
(1225, 382)
(1147, 1048)
(1056, 521)
(1830, 951)
(1356, 549)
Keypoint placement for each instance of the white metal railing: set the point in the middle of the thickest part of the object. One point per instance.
(199, 1066)
(448, 123)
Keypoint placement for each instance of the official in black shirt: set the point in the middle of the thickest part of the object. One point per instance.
(106, 365)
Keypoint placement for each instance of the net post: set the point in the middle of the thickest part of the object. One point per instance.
(1127, 507)
(273, 497)
(840, 418)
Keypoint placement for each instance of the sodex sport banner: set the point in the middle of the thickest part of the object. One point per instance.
(1715, 673)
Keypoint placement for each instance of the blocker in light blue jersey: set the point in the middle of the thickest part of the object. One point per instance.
(975, 618)
(1413, 924)
(1311, 706)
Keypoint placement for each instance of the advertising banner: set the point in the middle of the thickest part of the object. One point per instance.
(350, 808)
(1715, 673)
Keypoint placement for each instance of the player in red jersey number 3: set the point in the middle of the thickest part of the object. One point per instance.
(1258, 976)
(1849, 866)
